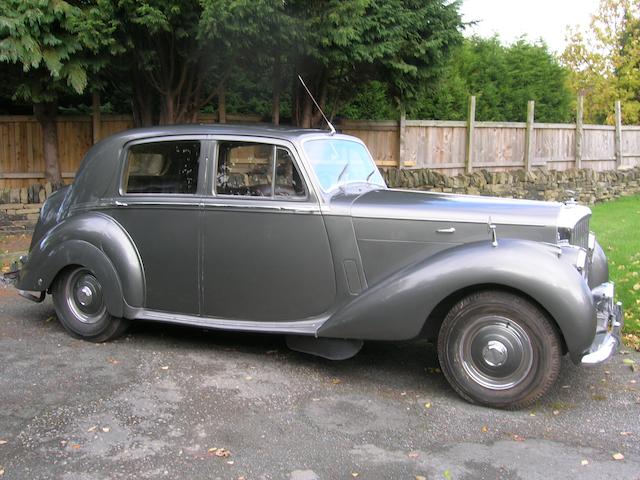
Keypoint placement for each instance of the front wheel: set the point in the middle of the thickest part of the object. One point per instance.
(81, 307)
(498, 349)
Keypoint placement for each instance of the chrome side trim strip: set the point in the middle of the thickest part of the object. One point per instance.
(302, 327)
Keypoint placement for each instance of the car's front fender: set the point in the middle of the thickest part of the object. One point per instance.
(93, 240)
(396, 308)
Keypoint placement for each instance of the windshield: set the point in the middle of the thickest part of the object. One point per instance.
(338, 161)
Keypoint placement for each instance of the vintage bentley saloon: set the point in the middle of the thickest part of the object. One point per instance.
(294, 232)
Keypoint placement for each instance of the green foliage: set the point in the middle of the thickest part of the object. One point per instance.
(56, 43)
(503, 78)
(604, 61)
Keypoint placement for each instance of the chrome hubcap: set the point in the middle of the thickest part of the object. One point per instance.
(84, 296)
(496, 352)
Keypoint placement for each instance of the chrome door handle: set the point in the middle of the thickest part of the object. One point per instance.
(121, 204)
(446, 230)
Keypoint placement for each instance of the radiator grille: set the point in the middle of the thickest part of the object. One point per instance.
(580, 233)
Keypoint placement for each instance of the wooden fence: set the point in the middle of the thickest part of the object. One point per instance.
(453, 147)
(450, 147)
(21, 156)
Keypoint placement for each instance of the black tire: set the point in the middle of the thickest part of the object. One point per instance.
(499, 350)
(81, 308)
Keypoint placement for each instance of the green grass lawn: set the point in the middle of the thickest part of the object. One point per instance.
(617, 227)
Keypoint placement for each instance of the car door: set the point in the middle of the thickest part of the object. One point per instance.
(159, 206)
(266, 254)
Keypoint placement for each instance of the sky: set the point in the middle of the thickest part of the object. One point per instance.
(546, 19)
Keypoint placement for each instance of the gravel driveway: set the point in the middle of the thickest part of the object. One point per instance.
(169, 402)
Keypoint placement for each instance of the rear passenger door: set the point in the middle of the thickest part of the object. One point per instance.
(266, 254)
(159, 205)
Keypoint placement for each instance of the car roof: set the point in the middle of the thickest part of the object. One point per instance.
(258, 130)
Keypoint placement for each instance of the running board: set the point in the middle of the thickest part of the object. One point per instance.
(301, 327)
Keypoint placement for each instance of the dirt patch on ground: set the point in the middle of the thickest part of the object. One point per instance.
(11, 247)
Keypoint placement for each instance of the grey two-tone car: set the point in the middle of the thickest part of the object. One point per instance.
(294, 232)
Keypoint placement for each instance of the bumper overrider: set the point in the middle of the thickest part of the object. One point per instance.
(610, 320)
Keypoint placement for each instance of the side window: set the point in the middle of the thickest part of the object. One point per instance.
(257, 170)
(163, 167)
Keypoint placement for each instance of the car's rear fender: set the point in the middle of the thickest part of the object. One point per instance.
(95, 241)
(397, 307)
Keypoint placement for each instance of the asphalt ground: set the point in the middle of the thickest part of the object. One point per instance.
(173, 402)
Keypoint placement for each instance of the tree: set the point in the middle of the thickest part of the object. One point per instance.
(347, 44)
(56, 45)
(605, 61)
(503, 78)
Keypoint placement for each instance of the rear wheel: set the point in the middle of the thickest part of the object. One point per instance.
(81, 308)
(498, 349)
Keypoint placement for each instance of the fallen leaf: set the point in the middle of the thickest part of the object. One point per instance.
(413, 455)
(336, 381)
(106, 429)
(166, 367)
(2, 442)
(556, 412)
(1, 471)
(355, 474)
(618, 456)
(248, 377)
(517, 438)
(628, 361)
(402, 394)
(532, 414)
(421, 477)
(230, 462)
(220, 452)
(636, 287)
(113, 361)
(92, 429)
(50, 319)
(584, 463)
(626, 434)
(427, 405)
(484, 429)
(75, 445)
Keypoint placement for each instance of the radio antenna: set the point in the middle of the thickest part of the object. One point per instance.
(333, 130)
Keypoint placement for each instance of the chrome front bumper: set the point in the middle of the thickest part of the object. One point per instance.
(610, 320)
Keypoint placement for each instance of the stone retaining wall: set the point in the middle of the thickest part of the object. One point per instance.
(588, 186)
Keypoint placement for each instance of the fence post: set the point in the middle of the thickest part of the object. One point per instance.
(579, 130)
(528, 137)
(471, 121)
(618, 135)
(402, 137)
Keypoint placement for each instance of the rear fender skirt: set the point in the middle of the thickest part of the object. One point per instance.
(95, 241)
(396, 308)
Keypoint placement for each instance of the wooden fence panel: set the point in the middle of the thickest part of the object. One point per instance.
(439, 147)
(630, 146)
(381, 138)
(554, 147)
(599, 147)
(498, 147)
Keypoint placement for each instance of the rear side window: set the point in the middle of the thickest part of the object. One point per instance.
(257, 170)
(163, 167)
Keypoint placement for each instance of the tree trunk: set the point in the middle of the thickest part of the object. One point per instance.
(45, 113)
(275, 115)
(307, 111)
(95, 115)
(222, 104)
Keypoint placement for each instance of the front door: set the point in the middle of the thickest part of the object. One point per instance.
(266, 254)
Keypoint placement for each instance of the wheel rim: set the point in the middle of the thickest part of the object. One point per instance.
(496, 352)
(83, 294)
